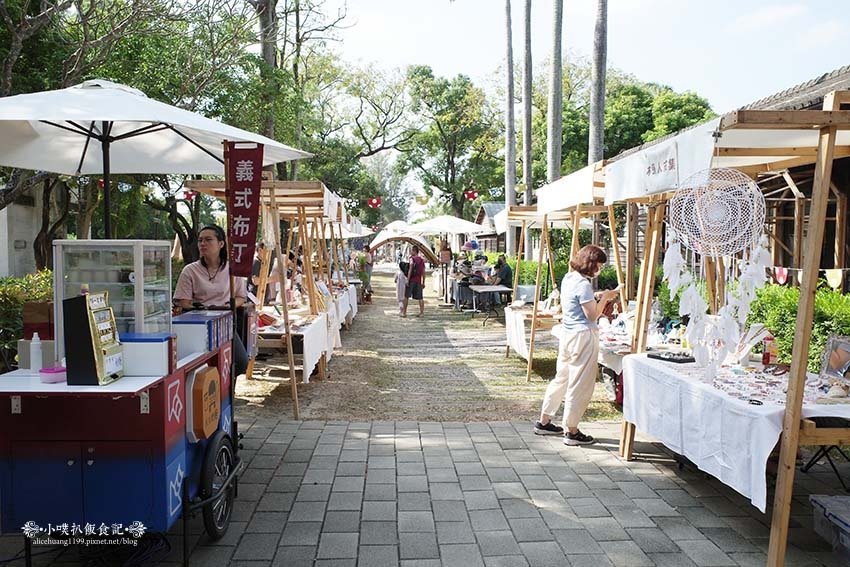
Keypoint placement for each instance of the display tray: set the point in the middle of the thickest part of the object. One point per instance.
(677, 357)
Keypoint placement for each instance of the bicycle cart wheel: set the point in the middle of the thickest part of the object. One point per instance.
(218, 464)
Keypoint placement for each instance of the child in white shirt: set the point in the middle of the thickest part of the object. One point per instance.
(401, 284)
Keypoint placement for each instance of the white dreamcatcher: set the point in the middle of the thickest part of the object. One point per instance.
(717, 213)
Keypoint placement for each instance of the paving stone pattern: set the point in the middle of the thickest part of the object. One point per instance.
(491, 494)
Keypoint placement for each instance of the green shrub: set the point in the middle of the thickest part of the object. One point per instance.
(14, 292)
(776, 307)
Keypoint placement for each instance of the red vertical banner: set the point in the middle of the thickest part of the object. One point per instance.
(244, 174)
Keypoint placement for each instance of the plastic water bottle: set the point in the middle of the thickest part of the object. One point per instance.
(35, 353)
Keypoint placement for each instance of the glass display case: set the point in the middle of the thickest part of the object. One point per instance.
(136, 273)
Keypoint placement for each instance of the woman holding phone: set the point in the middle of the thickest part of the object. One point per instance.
(578, 350)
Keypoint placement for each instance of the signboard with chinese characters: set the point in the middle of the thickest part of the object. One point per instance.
(244, 164)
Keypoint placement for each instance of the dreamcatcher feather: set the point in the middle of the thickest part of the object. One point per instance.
(717, 213)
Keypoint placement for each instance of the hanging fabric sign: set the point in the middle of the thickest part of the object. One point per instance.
(834, 277)
(244, 164)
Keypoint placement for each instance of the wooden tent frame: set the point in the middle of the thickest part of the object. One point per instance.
(528, 216)
(794, 430)
(302, 204)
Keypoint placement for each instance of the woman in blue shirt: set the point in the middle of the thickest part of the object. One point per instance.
(578, 350)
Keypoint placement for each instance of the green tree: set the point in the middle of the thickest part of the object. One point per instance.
(672, 111)
(456, 148)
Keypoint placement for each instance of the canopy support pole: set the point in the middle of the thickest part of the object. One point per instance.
(631, 249)
(282, 260)
(800, 352)
(543, 240)
(655, 221)
(615, 245)
(520, 245)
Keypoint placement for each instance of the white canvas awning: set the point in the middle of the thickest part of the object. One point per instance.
(446, 224)
(752, 141)
(577, 188)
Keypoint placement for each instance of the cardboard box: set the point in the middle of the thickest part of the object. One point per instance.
(38, 318)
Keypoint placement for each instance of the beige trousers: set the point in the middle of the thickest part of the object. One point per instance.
(575, 376)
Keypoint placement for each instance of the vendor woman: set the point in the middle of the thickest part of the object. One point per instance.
(207, 283)
(575, 374)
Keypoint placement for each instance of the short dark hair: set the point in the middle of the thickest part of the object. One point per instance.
(587, 258)
(414, 250)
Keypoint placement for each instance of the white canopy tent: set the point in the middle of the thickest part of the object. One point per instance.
(446, 224)
(101, 127)
(747, 140)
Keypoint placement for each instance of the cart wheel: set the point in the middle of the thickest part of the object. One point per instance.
(218, 464)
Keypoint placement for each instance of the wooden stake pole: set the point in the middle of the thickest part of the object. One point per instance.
(337, 255)
(711, 283)
(519, 256)
(631, 251)
(615, 245)
(320, 255)
(574, 241)
(516, 277)
(344, 264)
(543, 240)
(800, 352)
(646, 285)
(282, 260)
(841, 222)
(310, 279)
(799, 217)
(776, 249)
(550, 259)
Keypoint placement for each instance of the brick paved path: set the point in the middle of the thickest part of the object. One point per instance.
(455, 494)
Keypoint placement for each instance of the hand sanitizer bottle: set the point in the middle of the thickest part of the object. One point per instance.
(35, 353)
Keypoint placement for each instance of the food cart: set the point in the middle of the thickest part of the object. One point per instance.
(148, 441)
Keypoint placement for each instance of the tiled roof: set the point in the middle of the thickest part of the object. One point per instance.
(806, 95)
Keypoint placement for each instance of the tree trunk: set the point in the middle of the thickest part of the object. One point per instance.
(88, 199)
(43, 243)
(527, 179)
(299, 85)
(555, 107)
(267, 15)
(510, 130)
(596, 142)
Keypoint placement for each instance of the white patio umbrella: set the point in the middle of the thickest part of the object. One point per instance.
(447, 224)
(60, 131)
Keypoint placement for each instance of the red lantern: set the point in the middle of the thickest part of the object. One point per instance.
(470, 195)
(373, 202)
(100, 183)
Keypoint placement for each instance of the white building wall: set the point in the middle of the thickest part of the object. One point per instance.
(18, 229)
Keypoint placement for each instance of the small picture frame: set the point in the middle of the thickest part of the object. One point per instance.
(835, 364)
(323, 288)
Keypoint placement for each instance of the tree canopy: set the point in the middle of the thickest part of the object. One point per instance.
(374, 132)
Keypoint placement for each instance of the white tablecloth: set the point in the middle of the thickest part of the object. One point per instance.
(315, 337)
(352, 302)
(333, 322)
(343, 306)
(723, 436)
(515, 331)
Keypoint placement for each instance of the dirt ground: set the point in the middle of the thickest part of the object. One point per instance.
(444, 366)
